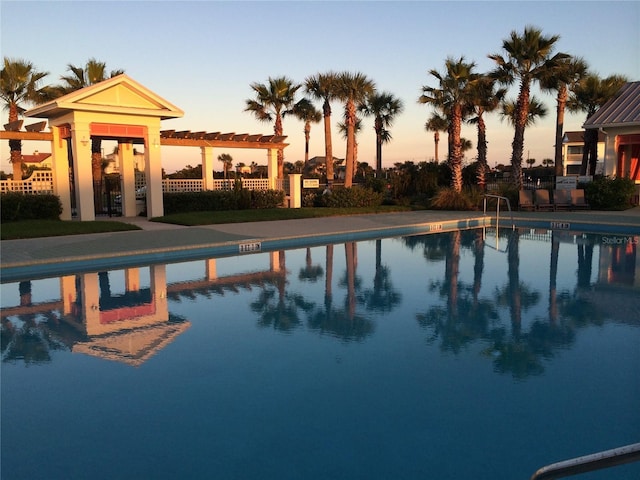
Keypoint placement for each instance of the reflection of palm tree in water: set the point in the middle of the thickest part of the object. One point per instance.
(553, 274)
(383, 297)
(310, 272)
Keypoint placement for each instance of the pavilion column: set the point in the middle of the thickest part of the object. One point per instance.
(295, 190)
(610, 155)
(158, 285)
(90, 286)
(128, 179)
(210, 269)
(131, 279)
(60, 167)
(272, 167)
(206, 154)
(83, 175)
(153, 174)
(68, 292)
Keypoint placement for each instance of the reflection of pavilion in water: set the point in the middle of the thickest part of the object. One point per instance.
(133, 326)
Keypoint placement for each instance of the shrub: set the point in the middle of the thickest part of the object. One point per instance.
(449, 199)
(218, 200)
(610, 193)
(352, 197)
(18, 206)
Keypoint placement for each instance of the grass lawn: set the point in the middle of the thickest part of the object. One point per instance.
(55, 228)
(265, 215)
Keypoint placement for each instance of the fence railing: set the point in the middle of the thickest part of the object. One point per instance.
(40, 182)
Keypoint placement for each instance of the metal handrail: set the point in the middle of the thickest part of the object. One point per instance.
(589, 463)
(513, 225)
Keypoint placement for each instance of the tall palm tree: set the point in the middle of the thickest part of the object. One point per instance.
(19, 86)
(484, 98)
(342, 127)
(227, 162)
(451, 98)
(383, 107)
(562, 79)
(528, 57)
(322, 86)
(305, 111)
(536, 110)
(274, 100)
(83, 76)
(588, 96)
(353, 89)
(436, 124)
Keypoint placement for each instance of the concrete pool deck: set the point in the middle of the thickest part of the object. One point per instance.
(156, 242)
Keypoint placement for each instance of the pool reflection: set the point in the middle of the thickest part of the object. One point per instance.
(133, 325)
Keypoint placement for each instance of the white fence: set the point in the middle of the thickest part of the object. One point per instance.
(40, 182)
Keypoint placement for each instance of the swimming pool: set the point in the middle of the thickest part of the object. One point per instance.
(466, 355)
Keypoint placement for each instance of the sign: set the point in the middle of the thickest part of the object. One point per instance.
(310, 183)
(566, 183)
(585, 179)
(250, 247)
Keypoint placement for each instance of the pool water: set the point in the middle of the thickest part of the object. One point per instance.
(460, 355)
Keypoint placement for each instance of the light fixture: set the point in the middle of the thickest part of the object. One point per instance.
(156, 143)
(84, 141)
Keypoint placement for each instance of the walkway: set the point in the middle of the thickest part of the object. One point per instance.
(163, 242)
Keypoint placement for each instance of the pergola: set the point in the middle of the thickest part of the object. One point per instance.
(121, 109)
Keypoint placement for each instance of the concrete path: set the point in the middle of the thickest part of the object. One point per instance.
(157, 238)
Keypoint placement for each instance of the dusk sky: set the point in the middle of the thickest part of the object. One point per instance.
(202, 57)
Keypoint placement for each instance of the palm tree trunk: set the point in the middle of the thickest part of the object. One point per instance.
(455, 162)
(328, 145)
(436, 140)
(482, 153)
(522, 111)
(350, 121)
(562, 102)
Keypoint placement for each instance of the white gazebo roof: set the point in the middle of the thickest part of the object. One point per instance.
(117, 95)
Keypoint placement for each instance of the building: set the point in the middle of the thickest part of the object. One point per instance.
(572, 149)
(619, 121)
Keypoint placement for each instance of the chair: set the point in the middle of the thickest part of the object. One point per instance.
(578, 201)
(542, 200)
(525, 200)
(561, 200)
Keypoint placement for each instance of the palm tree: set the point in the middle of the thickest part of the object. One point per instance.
(536, 110)
(273, 102)
(451, 98)
(384, 107)
(323, 87)
(342, 127)
(80, 77)
(19, 86)
(353, 89)
(306, 112)
(227, 162)
(562, 79)
(436, 124)
(484, 98)
(588, 96)
(528, 58)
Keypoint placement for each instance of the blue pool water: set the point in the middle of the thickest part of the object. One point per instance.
(457, 355)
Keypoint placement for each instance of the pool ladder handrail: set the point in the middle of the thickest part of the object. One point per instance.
(484, 201)
(589, 463)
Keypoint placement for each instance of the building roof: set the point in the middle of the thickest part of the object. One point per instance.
(621, 111)
(118, 95)
(578, 137)
(35, 158)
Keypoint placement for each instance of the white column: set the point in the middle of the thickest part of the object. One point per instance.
(153, 174)
(206, 154)
(60, 167)
(83, 176)
(295, 190)
(272, 167)
(127, 179)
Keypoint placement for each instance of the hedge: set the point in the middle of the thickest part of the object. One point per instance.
(218, 200)
(20, 206)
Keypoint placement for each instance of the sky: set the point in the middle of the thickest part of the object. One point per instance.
(202, 56)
